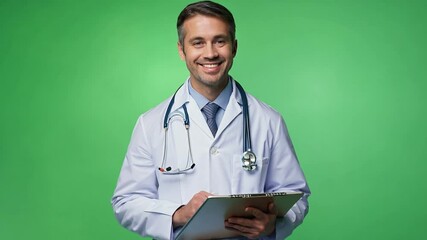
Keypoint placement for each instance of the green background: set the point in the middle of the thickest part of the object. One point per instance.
(348, 76)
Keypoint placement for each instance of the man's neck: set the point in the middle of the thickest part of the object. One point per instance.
(210, 92)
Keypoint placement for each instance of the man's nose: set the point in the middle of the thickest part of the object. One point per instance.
(210, 51)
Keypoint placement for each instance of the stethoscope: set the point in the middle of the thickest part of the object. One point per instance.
(248, 157)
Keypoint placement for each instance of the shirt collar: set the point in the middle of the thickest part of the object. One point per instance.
(221, 100)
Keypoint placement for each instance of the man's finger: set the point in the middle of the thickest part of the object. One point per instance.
(272, 209)
(255, 212)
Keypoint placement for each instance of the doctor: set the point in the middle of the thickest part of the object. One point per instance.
(191, 145)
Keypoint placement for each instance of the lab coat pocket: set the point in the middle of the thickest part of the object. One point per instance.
(249, 181)
(169, 186)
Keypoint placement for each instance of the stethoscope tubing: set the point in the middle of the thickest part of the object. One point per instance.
(247, 144)
(248, 159)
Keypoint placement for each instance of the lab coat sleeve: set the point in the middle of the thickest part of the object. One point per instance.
(285, 174)
(135, 200)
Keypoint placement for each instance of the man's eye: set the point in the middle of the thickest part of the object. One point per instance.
(197, 44)
(220, 42)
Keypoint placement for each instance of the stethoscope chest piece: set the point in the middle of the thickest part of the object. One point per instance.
(249, 161)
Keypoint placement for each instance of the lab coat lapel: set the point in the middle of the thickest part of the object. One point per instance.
(233, 110)
(197, 118)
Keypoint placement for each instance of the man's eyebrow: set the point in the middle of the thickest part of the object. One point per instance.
(221, 36)
(215, 37)
(195, 38)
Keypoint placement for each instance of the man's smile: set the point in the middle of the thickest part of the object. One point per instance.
(210, 67)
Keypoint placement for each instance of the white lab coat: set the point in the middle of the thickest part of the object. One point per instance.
(145, 199)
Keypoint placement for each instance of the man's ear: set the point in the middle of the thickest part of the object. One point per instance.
(234, 50)
(181, 51)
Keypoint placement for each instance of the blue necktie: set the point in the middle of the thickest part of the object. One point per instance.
(210, 110)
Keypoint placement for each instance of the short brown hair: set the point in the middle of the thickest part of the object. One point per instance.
(207, 8)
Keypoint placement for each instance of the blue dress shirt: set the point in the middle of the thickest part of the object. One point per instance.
(221, 100)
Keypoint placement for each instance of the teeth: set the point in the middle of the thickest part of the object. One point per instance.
(210, 65)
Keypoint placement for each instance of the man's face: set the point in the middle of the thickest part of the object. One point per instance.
(208, 51)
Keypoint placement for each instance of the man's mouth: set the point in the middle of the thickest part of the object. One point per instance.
(210, 65)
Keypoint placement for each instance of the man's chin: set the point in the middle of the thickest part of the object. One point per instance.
(214, 82)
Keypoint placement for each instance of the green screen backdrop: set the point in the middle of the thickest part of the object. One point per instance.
(349, 78)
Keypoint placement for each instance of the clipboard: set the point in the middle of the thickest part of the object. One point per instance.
(208, 221)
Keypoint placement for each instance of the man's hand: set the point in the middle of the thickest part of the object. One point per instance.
(184, 213)
(262, 224)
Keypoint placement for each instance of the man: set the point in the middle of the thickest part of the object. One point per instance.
(170, 170)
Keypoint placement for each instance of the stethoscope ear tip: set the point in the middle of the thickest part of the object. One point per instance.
(164, 170)
(193, 165)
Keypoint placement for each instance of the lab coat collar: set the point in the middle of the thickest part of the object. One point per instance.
(236, 93)
(183, 95)
(231, 112)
